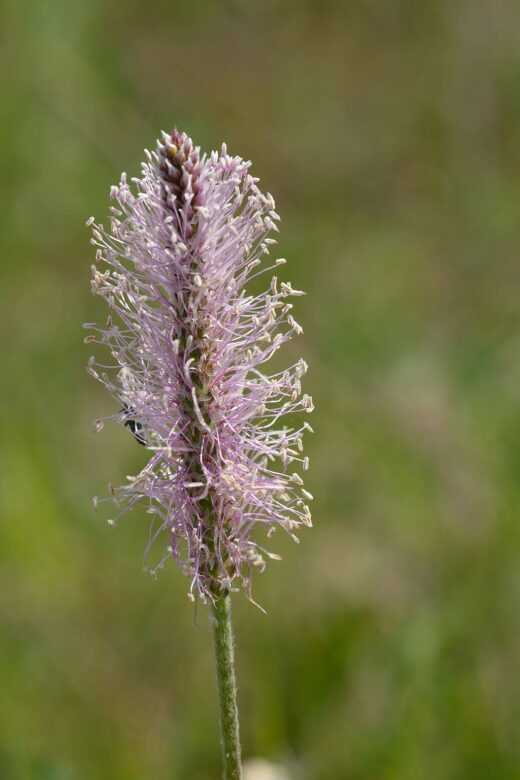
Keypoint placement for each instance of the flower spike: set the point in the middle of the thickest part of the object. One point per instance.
(189, 340)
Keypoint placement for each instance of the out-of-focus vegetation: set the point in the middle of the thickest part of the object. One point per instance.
(389, 132)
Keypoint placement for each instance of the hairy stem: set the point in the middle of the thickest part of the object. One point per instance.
(220, 613)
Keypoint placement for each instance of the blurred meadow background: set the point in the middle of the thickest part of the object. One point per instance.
(389, 133)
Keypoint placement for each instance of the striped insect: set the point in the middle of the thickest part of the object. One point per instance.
(135, 426)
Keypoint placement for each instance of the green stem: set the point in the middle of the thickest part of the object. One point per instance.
(220, 613)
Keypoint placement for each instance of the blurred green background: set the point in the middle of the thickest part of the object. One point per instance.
(389, 133)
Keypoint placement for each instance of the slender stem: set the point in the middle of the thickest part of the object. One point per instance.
(220, 612)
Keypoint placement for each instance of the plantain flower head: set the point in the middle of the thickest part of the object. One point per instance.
(188, 341)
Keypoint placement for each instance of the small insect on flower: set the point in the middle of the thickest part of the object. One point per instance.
(135, 426)
(190, 339)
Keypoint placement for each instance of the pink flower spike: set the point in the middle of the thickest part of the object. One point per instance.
(189, 344)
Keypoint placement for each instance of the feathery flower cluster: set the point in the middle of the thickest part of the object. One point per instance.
(188, 342)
